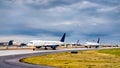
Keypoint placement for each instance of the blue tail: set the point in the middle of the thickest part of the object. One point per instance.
(98, 40)
(63, 37)
(10, 42)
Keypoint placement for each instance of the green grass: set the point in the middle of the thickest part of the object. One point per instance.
(111, 51)
(84, 59)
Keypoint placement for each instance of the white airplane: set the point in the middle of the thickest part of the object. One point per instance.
(40, 43)
(89, 44)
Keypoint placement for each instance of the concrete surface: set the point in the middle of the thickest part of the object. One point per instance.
(10, 58)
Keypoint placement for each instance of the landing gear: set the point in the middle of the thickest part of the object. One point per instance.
(96, 46)
(33, 49)
(53, 47)
(86, 46)
(46, 48)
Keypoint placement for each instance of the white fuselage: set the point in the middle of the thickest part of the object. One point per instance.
(44, 43)
(91, 44)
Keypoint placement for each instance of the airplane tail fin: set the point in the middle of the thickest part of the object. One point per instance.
(98, 40)
(77, 41)
(10, 42)
(63, 37)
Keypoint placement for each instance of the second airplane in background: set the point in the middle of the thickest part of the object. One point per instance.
(90, 44)
(53, 44)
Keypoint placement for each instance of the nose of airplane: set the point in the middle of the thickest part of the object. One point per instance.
(28, 44)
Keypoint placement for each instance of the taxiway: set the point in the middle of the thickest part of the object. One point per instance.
(10, 58)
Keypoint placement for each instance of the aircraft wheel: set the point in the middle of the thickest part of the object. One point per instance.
(53, 47)
(33, 49)
(46, 48)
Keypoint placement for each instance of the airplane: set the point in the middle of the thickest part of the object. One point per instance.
(40, 43)
(89, 44)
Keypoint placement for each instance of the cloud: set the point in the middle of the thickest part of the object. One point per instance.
(109, 9)
(80, 19)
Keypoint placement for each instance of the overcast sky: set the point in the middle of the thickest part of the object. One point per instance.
(82, 20)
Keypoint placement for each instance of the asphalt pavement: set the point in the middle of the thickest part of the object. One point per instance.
(11, 60)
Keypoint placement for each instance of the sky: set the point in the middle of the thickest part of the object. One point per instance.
(84, 20)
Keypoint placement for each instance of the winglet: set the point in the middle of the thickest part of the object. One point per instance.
(63, 37)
